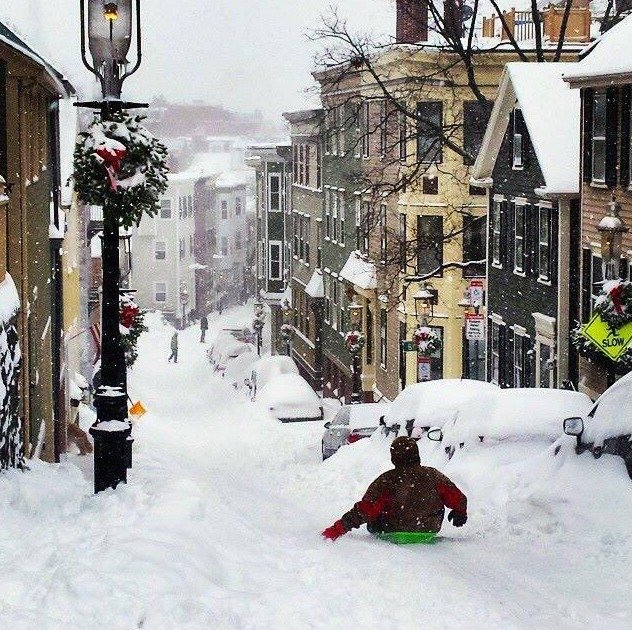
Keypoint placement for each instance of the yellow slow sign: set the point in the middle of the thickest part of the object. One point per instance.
(613, 343)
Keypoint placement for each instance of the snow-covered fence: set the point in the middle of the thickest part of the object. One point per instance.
(11, 446)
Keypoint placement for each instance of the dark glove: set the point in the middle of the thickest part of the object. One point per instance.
(458, 519)
(335, 531)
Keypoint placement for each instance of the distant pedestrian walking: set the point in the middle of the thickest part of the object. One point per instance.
(203, 328)
(174, 348)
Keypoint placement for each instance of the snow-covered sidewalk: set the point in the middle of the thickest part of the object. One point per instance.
(219, 527)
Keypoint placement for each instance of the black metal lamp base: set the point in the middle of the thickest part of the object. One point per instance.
(112, 456)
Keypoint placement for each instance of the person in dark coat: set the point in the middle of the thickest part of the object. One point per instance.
(174, 348)
(203, 328)
(410, 498)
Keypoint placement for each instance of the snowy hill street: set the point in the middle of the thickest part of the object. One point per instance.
(219, 527)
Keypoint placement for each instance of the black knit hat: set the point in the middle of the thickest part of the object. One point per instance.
(404, 452)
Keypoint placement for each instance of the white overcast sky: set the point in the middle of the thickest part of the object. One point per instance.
(244, 54)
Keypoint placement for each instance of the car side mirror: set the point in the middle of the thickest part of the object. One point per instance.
(327, 425)
(435, 435)
(574, 426)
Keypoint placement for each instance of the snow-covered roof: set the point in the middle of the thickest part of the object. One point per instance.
(359, 271)
(609, 56)
(233, 179)
(207, 164)
(315, 287)
(540, 91)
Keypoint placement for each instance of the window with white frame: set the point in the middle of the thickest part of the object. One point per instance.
(518, 139)
(383, 338)
(365, 129)
(519, 234)
(340, 136)
(496, 232)
(341, 307)
(334, 303)
(403, 253)
(341, 216)
(224, 246)
(519, 360)
(275, 253)
(495, 352)
(238, 241)
(160, 250)
(383, 234)
(358, 223)
(301, 164)
(319, 167)
(238, 206)
(383, 129)
(182, 248)
(306, 236)
(165, 208)
(327, 292)
(335, 210)
(307, 165)
(191, 245)
(190, 205)
(599, 137)
(544, 244)
(328, 194)
(403, 130)
(224, 209)
(365, 226)
(160, 292)
(274, 192)
(181, 207)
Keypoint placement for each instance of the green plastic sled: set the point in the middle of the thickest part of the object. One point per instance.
(408, 538)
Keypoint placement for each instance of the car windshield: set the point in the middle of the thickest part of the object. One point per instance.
(342, 417)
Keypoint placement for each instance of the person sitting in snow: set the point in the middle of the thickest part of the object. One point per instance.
(408, 499)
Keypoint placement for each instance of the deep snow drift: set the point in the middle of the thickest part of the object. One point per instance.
(220, 526)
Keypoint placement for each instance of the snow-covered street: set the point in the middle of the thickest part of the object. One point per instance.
(219, 527)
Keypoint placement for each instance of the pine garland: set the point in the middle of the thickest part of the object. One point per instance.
(132, 321)
(586, 349)
(614, 304)
(140, 177)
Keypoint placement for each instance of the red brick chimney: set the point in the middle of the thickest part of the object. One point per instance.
(453, 18)
(412, 21)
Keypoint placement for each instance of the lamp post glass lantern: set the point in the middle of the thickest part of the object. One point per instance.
(108, 27)
(355, 342)
(612, 228)
(423, 303)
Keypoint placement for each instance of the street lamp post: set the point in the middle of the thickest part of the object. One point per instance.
(184, 300)
(109, 33)
(287, 329)
(612, 228)
(354, 345)
(259, 323)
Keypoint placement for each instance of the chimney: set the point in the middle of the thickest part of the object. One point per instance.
(412, 21)
(453, 18)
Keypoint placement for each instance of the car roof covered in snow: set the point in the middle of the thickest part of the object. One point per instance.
(269, 367)
(361, 415)
(288, 389)
(518, 413)
(612, 413)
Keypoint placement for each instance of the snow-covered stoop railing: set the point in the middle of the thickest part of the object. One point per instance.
(11, 447)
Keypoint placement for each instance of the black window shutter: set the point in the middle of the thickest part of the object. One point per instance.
(553, 242)
(587, 102)
(612, 110)
(509, 359)
(502, 355)
(586, 283)
(504, 233)
(624, 164)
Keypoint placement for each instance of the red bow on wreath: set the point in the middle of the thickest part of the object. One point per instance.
(615, 296)
(128, 315)
(111, 156)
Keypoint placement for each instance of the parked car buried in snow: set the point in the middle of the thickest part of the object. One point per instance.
(433, 404)
(350, 424)
(224, 349)
(512, 415)
(607, 427)
(269, 367)
(289, 398)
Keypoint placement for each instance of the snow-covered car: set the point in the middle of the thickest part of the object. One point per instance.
(607, 427)
(433, 404)
(350, 424)
(241, 334)
(239, 369)
(513, 415)
(269, 367)
(289, 398)
(224, 349)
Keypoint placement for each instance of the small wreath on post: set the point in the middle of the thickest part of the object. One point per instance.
(287, 331)
(132, 321)
(354, 341)
(119, 162)
(426, 341)
(614, 303)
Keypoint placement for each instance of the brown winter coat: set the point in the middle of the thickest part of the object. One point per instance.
(409, 498)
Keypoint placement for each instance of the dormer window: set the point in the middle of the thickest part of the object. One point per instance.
(518, 139)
